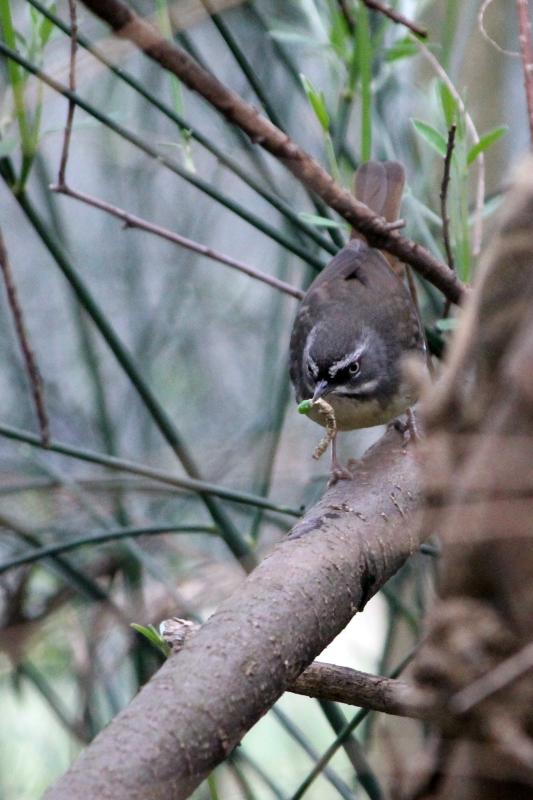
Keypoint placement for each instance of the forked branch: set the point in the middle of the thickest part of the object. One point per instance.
(129, 25)
(194, 711)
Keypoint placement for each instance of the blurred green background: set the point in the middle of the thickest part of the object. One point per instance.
(209, 343)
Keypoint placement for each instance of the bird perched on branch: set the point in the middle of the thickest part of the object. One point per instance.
(356, 323)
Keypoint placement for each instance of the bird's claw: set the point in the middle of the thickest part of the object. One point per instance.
(339, 473)
(407, 427)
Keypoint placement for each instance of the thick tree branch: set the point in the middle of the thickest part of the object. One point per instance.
(130, 26)
(200, 704)
(327, 681)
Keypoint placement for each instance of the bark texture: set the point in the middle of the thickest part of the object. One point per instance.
(345, 685)
(328, 681)
(478, 480)
(194, 711)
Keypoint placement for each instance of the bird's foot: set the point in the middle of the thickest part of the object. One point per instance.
(339, 473)
(408, 427)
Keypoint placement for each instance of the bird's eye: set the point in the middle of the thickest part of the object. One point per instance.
(353, 369)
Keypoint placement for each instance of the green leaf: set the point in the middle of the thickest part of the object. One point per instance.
(34, 16)
(153, 637)
(431, 136)
(403, 48)
(339, 35)
(317, 101)
(212, 787)
(485, 142)
(47, 26)
(322, 222)
(448, 103)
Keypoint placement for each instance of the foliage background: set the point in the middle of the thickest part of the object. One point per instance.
(212, 345)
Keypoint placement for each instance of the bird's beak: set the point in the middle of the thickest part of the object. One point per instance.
(321, 389)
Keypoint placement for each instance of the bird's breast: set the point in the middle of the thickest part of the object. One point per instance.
(351, 414)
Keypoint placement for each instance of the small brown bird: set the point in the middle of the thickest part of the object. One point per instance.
(357, 322)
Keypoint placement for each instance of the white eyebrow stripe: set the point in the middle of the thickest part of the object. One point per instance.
(343, 362)
(311, 336)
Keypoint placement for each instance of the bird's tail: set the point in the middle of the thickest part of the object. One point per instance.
(379, 185)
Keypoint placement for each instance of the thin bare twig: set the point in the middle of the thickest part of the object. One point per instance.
(487, 36)
(526, 51)
(350, 686)
(72, 86)
(480, 191)
(132, 221)
(395, 16)
(22, 335)
(307, 170)
(444, 196)
(498, 678)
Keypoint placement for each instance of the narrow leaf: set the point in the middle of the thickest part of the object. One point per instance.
(317, 101)
(448, 103)
(46, 27)
(485, 142)
(403, 48)
(153, 637)
(431, 136)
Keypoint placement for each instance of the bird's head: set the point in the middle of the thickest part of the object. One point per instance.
(348, 366)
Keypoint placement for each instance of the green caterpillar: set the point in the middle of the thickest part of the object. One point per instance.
(305, 406)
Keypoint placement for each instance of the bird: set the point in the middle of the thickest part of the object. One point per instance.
(356, 324)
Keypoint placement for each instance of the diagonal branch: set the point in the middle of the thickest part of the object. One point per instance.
(32, 369)
(499, 677)
(135, 468)
(328, 682)
(194, 711)
(308, 171)
(395, 16)
(133, 221)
